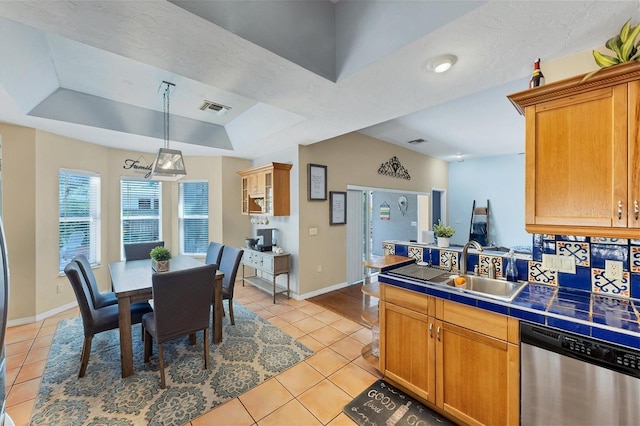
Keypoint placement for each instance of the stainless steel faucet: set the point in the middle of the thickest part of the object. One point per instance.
(465, 249)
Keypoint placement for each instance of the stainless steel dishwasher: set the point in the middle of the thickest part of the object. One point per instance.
(567, 379)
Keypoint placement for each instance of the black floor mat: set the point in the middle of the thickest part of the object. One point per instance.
(382, 404)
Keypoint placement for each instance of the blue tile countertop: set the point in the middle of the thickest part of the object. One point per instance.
(612, 319)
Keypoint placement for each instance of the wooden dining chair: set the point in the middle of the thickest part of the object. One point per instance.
(229, 263)
(96, 320)
(181, 307)
(140, 251)
(214, 253)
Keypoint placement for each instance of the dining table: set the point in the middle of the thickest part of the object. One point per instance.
(132, 282)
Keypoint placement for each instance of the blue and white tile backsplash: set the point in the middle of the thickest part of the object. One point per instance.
(590, 254)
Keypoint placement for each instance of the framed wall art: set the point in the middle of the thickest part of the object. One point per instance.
(338, 203)
(317, 180)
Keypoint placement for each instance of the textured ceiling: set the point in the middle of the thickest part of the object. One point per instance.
(294, 72)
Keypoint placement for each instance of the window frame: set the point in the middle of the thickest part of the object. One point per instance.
(94, 254)
(182, 216)
(123, 217)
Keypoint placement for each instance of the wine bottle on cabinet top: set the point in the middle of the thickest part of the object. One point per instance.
(537, 79)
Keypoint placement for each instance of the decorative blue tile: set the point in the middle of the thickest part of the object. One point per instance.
(427, 255)
(578, 250)
(485, 261)
(600, 283)
(415, 252)
(538, 275)
(401, 250)
(448, 259)
(389, 248)
(549, 247)
(602, 252)
(635, 286)
(548, 237)
(603, 240)
(634, 260)
(571, 238)
(634, 242)
(581, 280)
(537, 247)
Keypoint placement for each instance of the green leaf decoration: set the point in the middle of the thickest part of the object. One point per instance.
(604, 60)
(624, 31)
(614, 43)
(627, 45)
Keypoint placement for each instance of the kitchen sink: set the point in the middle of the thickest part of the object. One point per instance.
(497, 289)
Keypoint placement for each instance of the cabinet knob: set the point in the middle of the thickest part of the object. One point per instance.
(620, 209)
(431, 330)
(438, 333)
(636, 209)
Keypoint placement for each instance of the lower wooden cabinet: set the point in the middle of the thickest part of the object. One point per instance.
(461, 360)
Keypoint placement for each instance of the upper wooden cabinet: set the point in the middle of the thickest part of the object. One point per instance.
(265, 189)
(583, 154)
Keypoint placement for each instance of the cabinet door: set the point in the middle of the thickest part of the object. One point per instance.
(475, 375)
(634, 155)
(408, 350)
(576, 160)
(266, 263)
(245, 195)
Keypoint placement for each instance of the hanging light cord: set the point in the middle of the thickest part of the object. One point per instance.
(166, 116)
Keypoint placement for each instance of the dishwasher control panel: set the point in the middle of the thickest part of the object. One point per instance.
(587, 349)
(601, 351)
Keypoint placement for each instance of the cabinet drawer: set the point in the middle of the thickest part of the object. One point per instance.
(409, 299)
(475, 319)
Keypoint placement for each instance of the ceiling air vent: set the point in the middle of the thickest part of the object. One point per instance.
(416, 141)
(219, 109)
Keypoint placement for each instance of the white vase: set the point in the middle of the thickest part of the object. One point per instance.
(443, 242)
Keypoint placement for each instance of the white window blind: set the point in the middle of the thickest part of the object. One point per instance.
(79, 216)
(193, 214)
(141, 217)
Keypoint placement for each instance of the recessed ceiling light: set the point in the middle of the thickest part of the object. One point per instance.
(441, 63)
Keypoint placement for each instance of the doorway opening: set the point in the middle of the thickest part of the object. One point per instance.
(376, 215)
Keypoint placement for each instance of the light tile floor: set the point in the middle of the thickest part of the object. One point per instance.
(312, 392)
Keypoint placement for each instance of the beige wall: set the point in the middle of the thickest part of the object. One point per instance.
(31, 163)
(19, 216)
(352, 159)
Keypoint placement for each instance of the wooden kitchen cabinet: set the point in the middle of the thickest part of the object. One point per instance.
(265, 190)
(464, 361)
(583, 154)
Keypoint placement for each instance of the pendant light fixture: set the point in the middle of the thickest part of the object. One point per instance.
(169, 164)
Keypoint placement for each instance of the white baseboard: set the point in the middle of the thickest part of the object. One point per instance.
(42, 316)
(322, 291)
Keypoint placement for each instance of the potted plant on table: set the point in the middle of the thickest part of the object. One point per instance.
(443, 233)
(160, 257)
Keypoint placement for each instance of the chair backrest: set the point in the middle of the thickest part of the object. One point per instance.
(214, 253)
(231, 257)
(89, 277)
(139, 251)
(83, 296)
(182, 301)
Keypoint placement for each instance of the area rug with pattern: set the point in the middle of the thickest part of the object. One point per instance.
(383, 404)
(252, 351)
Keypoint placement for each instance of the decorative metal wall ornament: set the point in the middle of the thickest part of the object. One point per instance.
(403, 203)
(393, 168)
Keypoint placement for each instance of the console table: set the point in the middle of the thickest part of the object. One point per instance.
(269, 263)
